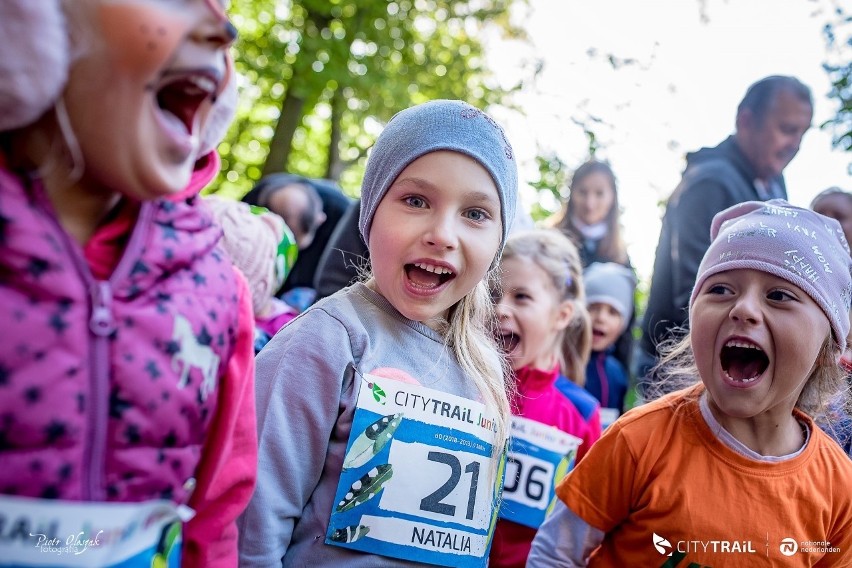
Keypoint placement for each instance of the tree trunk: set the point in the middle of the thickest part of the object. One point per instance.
(282, 139)
(335, 166)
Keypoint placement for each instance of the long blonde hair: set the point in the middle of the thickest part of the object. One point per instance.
(470, 334)
(557, 256)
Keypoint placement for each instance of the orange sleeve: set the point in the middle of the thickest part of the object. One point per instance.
(599, 489)
(227, 471)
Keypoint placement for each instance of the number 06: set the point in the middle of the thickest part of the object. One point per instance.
(533, 488)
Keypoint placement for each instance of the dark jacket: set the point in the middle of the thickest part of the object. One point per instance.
(714, 179)
(344, 256)
(334, 204)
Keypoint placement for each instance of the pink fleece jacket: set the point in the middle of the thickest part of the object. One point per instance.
(226, 474)
(538, 399)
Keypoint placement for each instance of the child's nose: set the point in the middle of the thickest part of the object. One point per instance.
(746, 308)
(443, 233)
(217, 28)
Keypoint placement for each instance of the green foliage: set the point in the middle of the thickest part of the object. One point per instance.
(838, 35)
(347, 66)
(551, 186)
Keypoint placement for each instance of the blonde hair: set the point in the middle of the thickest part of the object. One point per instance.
(557, 256)
(470, 334)
(826, 389)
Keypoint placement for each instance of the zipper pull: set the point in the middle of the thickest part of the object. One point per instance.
(101, 322)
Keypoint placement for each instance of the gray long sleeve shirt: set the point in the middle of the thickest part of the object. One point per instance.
(307, 390)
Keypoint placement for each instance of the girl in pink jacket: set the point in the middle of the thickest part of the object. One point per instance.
(126, 369)
(545, 331)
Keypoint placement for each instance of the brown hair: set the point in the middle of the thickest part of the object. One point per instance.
(612, 247)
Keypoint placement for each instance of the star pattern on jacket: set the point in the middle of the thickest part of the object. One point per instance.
(140, 267)
(4, 225)
(55, 431)
(169, 231)
(204, 337)
(32, 395)
(58, 324)
(152, 370)
(117, 405)
(36, 267)
(132, 434)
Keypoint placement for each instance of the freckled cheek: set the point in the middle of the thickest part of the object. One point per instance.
(141, 38)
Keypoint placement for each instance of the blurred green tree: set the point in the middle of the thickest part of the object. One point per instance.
(838, 35)
(321, 77)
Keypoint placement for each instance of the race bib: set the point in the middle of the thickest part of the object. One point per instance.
(539, 457)
(608, 416)
(38, 532)
(417, 476)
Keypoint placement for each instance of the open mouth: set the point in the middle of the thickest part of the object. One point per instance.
(742, 361)
(507, 341)
(180, 96)
(428, 276)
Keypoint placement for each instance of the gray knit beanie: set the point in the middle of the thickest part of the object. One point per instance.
(803, 247)
(439, 125)
(613, 284)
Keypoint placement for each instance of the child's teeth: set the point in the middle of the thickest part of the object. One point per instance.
(742, 344)
(434, 269)
(752, 379)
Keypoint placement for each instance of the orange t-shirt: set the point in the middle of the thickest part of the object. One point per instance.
(667, 492)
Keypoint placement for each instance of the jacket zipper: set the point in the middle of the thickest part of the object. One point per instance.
(101, 326)
(604, 380)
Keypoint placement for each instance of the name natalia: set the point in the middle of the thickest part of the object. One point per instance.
(441, 539)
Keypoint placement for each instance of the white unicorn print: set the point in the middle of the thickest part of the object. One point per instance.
(193, 354)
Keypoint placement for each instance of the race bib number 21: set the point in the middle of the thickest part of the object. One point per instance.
(417, 481)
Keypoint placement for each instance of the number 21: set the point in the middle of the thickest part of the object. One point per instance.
(432, 502)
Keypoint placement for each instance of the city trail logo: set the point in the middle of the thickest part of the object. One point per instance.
(663, 546)
(789, 546)
(666, 548)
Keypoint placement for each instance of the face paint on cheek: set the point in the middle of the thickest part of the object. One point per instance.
(141, 38)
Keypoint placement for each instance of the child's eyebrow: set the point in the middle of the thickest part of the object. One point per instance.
(427, 186)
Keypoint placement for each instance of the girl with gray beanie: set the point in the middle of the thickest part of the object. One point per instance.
(383, 408)
(731, 471)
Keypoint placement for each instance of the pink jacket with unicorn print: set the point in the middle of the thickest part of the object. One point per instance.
(111, 389)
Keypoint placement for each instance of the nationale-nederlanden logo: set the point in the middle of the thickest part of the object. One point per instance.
(790, 546)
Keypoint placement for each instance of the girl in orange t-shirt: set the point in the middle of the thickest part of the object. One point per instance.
(733, 471)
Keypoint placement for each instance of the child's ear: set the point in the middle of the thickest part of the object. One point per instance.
(565, 313)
